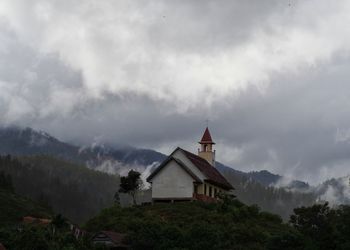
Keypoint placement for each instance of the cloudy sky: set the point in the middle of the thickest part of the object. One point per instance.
(272, 76)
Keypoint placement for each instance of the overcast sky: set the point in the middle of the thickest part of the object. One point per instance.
(272, 77)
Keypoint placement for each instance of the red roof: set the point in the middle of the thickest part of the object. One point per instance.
(206, 138)
(117, 238)
(208, 170)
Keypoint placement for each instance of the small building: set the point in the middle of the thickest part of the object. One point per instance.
(184, 176)
(110, 239)
(36, 221)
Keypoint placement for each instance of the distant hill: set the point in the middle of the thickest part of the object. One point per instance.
(336, 190)
(14, 207)
(27, 141)
(281, 201)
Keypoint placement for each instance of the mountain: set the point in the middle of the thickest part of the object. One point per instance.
(27, 141)
(17, 141)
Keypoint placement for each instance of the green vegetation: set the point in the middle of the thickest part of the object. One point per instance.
(69, 189)
(226, 225)
(13, 207)
(323, 227)
(131, 184)
(43, 238)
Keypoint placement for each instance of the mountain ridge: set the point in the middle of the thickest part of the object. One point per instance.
(27, 141)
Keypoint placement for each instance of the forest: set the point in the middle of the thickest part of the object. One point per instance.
(229, 224)
(67, 188)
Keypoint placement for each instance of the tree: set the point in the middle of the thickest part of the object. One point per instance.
(117, 198)
(6, 182)
(130, 184)
(316, 223)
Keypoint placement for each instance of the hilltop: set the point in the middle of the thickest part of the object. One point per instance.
(194, 225)
(228, 224)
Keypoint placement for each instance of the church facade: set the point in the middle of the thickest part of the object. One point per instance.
(186, 176)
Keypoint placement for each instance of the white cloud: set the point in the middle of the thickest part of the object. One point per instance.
(115, 47)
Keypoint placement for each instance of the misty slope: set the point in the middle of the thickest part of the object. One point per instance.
(24, 142)
(335, 191)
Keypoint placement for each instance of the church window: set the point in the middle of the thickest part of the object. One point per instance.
(205, 189)
(210, 192)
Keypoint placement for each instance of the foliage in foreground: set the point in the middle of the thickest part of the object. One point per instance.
(323, 227)
(228, 225)
(42, 238)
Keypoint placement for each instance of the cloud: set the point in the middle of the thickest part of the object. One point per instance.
(271, 75)
(183, 52)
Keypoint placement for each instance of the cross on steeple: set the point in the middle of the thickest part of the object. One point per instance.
(207, 122)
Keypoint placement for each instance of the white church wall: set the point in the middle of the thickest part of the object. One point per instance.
(172, 182)
(180, 155)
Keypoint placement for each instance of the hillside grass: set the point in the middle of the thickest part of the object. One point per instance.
(194, 225)
(14, 207)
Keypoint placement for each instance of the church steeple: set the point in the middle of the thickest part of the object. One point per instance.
(206, 151)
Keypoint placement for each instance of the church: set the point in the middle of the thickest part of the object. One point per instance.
(185, 176)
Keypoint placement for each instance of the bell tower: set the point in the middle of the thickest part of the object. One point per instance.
(206, 151)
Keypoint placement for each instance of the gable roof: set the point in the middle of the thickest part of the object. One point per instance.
(206, 138)
(179, 162)
(213, 175)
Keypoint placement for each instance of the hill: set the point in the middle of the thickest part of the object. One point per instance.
(70, 189)
(27, 141)
(193, 225)
(276, 200)
(228, 224)
(14, 207)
